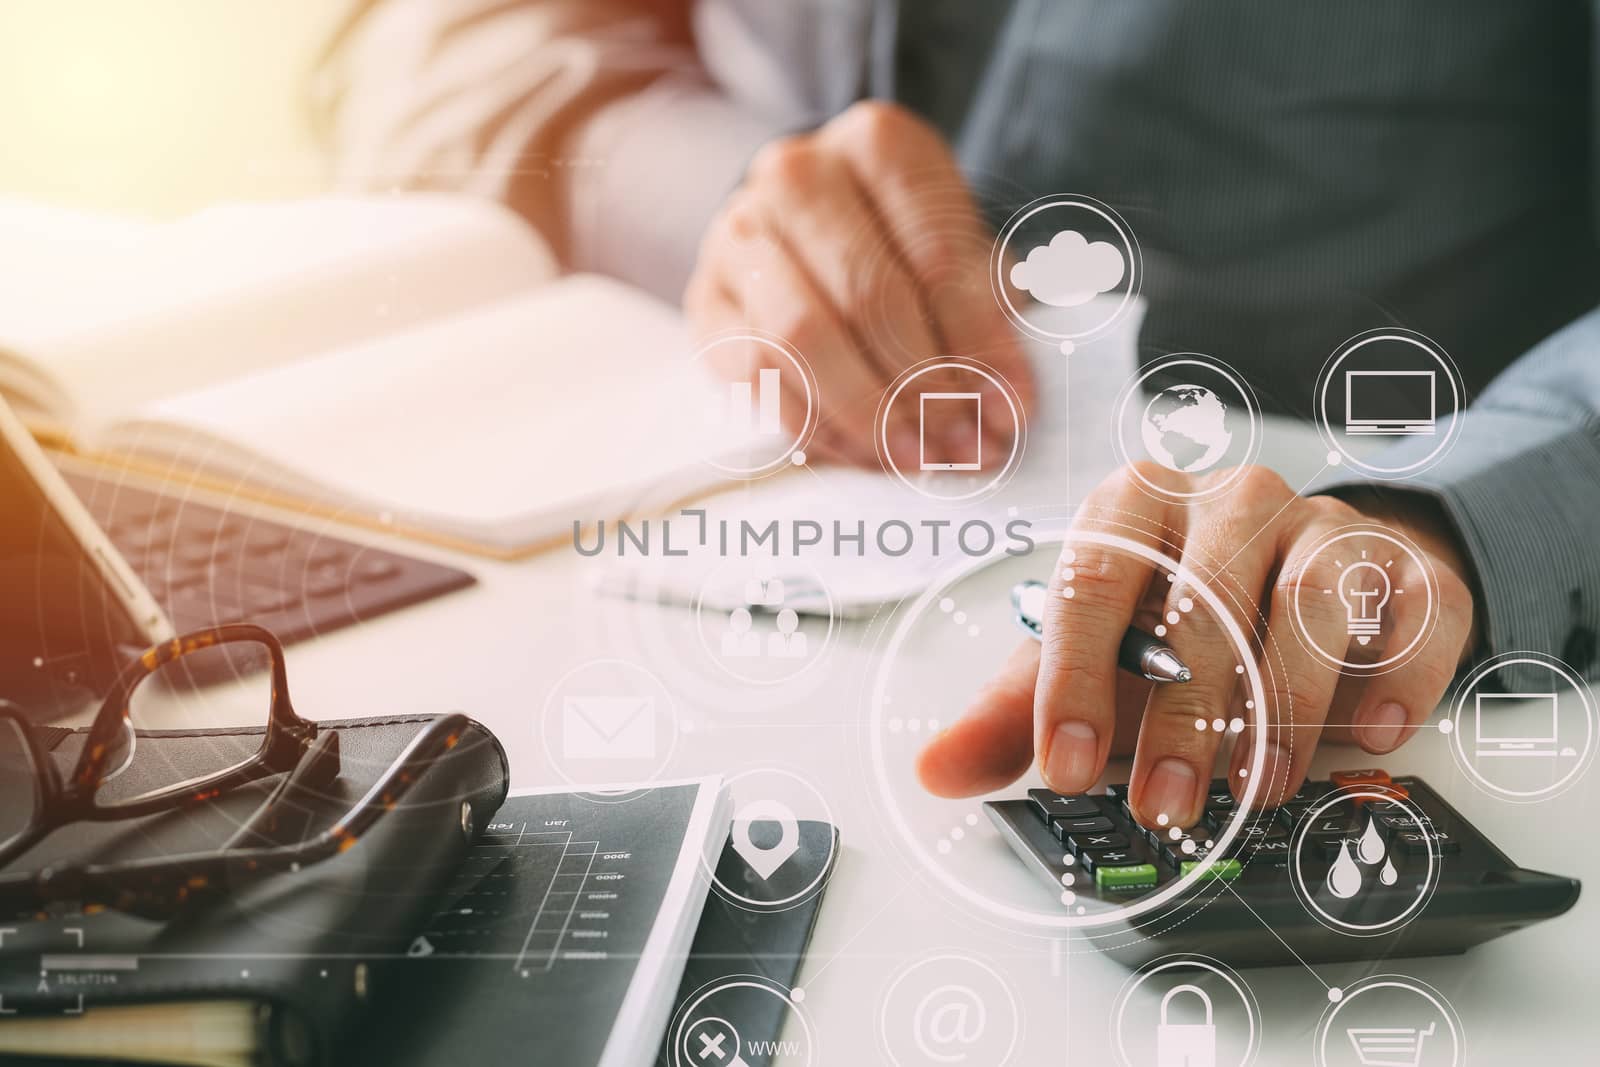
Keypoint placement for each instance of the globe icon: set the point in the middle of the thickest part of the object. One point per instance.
(1185, 428)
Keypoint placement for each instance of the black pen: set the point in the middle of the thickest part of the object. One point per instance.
(1139, 652)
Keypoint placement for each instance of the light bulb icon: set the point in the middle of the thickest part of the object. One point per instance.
(1364, 589)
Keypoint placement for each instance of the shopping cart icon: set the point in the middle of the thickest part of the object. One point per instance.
(1389, 1046)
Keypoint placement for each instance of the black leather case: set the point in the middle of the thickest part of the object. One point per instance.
(303, 945)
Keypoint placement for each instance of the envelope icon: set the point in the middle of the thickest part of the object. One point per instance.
(608, 728)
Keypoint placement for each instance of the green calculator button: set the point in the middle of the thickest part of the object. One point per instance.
(1135, 876)
(1221, 871)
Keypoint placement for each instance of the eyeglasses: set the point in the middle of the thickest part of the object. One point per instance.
(110, 780)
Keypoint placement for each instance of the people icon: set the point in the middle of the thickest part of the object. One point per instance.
(788, 642)
(739, 641)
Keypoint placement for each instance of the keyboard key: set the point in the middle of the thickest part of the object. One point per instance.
(1047, 804)
(1092, 860)
(1108, 841)
(1220, 871)
(1135, 876)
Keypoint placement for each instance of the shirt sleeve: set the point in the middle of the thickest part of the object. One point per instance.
(556, 107)
(1522, 486)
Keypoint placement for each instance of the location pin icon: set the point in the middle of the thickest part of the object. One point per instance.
(765, 861)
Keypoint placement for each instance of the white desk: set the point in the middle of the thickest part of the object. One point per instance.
(494, 651)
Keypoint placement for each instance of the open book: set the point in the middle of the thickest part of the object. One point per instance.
(411, 362)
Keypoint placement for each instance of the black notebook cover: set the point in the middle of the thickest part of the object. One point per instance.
(307, 945)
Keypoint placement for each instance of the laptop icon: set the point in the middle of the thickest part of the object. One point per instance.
(1507, 731)
(1390, 403)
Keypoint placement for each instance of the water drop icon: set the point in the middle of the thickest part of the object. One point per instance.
(1344, 877)
(1387, 876)
(1372, 847)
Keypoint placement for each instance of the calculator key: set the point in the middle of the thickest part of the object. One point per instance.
(1330, 847)
(1393, 824)
(1361, 779)
(1064, 828)
(1046, 803)
(1326, 825)
(1175, 855)
(1415, 843)
(1398, 791)
(1220, 800)
(1274, 853)
(1134, 876)
(1097, 842)
(1220, 871)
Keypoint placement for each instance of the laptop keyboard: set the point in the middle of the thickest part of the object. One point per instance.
(207, 566)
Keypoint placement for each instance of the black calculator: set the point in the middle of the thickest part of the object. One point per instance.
(1381, 867)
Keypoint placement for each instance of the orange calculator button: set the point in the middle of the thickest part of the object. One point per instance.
(1361, 779)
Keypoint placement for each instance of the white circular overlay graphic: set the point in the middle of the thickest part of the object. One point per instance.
(1066, 268)
(703, 1034)
(1202, 418)
(764, 621)
(951, 429)
(1186, 1009)
(1377, 588)
(1388, 1019)
(782, 838)
(750, 408)
(913, 694)
(1365, 879)
(1523, 726)
(950, 1009)
(1389, 387)
(609, 720)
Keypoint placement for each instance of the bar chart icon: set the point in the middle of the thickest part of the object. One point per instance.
(756, 405)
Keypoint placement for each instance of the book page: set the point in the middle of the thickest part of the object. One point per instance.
(501, 425)
(113, 315)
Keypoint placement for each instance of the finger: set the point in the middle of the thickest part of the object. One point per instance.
(1177, 742)
(991, 745)
(1394, 704)
(1084, 621)
(908, 174)
(1299, 684)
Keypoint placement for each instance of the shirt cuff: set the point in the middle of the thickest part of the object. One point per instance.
(1523, 492)
(633, 217)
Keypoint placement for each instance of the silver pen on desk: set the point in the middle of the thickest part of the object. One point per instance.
(1139, 653)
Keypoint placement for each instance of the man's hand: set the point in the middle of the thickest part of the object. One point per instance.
(859, 245)
(1065, 699)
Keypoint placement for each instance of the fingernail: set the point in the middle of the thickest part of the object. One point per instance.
(1069, 766)
(1381, 727)
(1170, 791)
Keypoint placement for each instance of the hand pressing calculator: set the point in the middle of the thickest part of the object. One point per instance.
(1358, 866)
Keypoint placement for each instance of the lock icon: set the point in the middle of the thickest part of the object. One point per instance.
(1186, 1044)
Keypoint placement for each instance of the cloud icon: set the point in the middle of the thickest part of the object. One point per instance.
(1069, 271)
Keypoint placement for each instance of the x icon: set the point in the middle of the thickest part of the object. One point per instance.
(712, 1046)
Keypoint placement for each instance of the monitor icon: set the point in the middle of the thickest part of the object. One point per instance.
(1495, 734)
(1391, 403)
(940, 411)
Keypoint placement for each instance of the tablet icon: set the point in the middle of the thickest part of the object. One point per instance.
(939, 415)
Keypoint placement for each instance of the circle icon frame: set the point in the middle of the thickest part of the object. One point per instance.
(1246, 995)
(1319, 1038)
(1019, 423)
(603, 796)
(1018, 1019)
(1335, 441)
(1133, 260)
(808, 381)
(1119, 419)
(1412, 647)
(1469, 686)
(812, 888)
(1297, 841)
